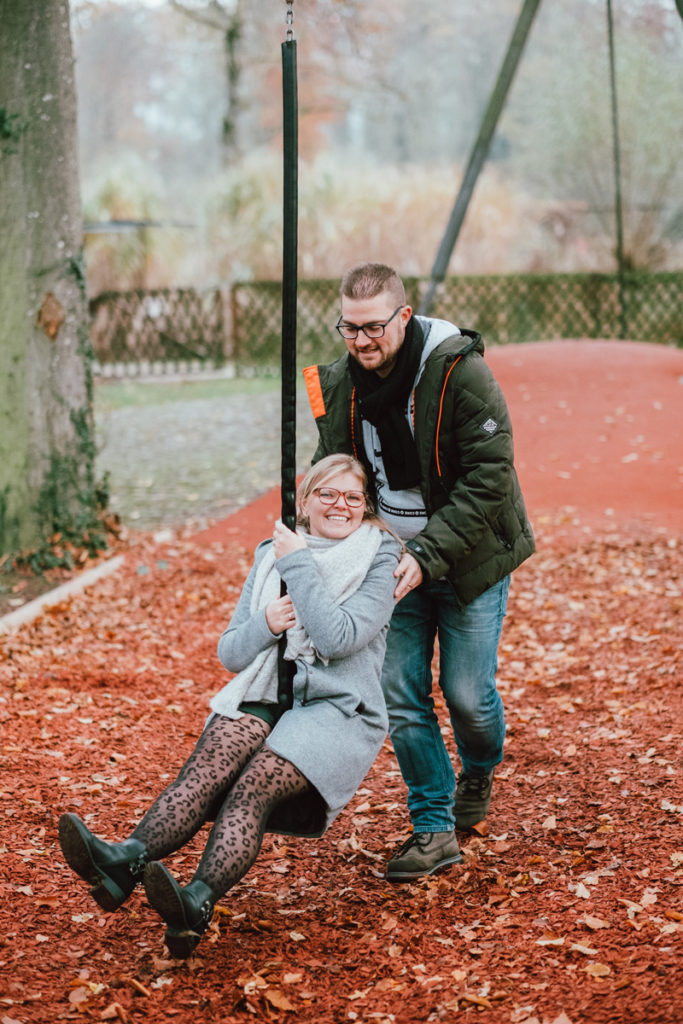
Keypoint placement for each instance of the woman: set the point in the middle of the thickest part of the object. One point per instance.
(254, 769)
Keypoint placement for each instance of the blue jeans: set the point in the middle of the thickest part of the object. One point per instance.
(468, 646)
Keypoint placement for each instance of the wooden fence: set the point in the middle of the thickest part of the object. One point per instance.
(184, 329)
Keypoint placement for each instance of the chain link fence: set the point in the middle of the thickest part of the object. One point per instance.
(504, 309)
(181, 329)
(162, 330)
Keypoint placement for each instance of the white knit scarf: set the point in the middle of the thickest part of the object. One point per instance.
(343, 565)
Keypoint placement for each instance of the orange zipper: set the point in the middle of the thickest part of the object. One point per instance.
(438, 422)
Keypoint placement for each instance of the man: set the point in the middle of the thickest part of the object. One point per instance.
(413, 399)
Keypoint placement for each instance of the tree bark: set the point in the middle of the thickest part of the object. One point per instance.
(46, 421)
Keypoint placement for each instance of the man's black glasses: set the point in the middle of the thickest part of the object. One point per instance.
(371, 330)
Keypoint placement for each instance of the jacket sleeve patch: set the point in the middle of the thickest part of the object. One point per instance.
(315, 391)
(489, 427)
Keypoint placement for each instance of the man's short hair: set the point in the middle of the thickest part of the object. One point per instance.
(371, 279)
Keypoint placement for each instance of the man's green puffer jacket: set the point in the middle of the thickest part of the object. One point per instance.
(478, 530)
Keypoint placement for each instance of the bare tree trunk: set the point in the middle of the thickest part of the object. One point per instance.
(46, 421)
(226, 18)
(233, 33)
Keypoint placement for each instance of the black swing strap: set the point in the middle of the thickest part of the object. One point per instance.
(289, 290)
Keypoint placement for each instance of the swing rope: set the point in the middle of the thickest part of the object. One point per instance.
(289, 290)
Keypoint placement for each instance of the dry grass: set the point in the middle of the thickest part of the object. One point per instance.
(349, 212)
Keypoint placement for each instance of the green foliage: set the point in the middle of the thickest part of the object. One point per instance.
(4, 518)
(12, 127)
(71, 504)
(78, 270)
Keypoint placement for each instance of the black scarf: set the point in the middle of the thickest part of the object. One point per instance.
(383, 401)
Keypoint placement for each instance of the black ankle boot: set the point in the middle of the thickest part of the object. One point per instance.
(186, 910)
(112, 870)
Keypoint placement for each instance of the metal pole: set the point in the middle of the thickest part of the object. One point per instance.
(480, 148)
(289, 291)
(289, 281)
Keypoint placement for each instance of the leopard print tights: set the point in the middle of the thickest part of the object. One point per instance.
(232, 779)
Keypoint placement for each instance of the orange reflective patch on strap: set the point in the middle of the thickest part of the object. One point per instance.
(315, 391)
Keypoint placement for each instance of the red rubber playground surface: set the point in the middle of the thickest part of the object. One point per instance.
(567, 907)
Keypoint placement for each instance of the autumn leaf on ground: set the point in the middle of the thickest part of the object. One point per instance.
(115, 1012)
(278, 999)
(593, 922)
(550, 940)
(292, 977)
(580, 948)
(470, 997)
(597, 970)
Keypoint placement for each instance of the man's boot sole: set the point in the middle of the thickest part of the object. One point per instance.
(405, 876)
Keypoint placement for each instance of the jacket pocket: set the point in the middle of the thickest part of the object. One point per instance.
(502, 532)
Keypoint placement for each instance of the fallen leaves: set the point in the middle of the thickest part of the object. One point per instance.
(136, 985)
(82, 991)
(115, 1012)
(571, 896)
(278, 999)
(550, 940)
(579, 947)
(471, 997)
(596, 970)
(593, 923)
(260, 986)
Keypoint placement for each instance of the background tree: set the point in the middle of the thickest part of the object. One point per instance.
(46, 430)
(227, 19)
(390, 99)
(562, 134)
